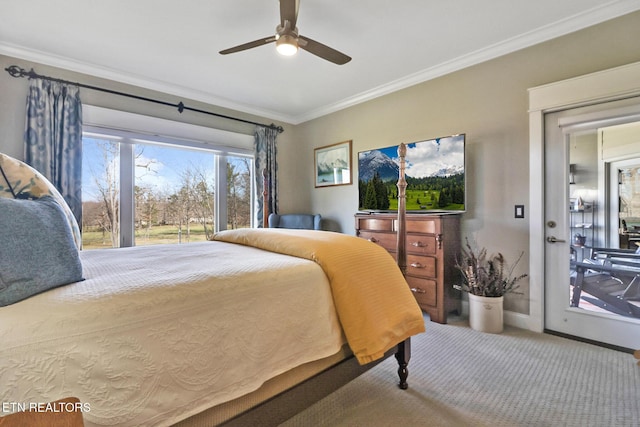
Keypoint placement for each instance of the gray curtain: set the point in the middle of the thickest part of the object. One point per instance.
(265, 160)
(53, 138)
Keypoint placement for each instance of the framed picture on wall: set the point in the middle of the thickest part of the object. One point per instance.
(333, 164)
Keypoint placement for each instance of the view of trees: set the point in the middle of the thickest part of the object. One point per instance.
(180, 213)
(103, 213)
(422, 193)
(376, 194)
(239, 194)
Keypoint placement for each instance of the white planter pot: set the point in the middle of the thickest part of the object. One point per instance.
(485, 313)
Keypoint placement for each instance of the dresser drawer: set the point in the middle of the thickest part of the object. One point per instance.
(422, 266)
(374, 223)
(421, 244)
(424, 290)
(386, 240)
(428, 226)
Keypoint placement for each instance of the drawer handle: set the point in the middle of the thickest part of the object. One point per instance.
(373, 239)
(418, 244)
(418, 291)
(417, 265)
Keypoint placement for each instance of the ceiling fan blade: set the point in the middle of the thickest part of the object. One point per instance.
(322, 51)
(289, 12)
(250, 45)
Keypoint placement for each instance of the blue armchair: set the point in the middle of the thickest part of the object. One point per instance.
(300, 221)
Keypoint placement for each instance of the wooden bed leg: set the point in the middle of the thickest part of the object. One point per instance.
(402, 356)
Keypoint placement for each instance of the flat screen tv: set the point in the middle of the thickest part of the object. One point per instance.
(435, 174)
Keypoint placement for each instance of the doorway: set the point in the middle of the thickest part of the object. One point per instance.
(591, 278)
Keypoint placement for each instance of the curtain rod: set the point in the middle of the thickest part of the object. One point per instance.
(18, 72)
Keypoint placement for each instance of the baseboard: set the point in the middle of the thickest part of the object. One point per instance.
(518, 320)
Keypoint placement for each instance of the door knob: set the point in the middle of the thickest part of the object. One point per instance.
(552, 239)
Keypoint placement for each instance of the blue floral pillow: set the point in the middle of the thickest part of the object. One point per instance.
(37, 251)
(20, 181)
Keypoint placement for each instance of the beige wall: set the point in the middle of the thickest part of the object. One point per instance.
(488, 102)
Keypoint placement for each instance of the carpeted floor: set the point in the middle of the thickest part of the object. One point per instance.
(460, 377)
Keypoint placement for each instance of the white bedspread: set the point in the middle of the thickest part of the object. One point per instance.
(155, 334)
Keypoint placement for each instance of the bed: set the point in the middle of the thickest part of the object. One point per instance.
(187, 335)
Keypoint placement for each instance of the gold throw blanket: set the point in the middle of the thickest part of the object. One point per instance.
(372, 299)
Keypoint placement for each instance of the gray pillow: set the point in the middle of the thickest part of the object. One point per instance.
(37, 250)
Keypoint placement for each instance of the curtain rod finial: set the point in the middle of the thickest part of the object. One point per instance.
(280, 129)
(15, 71)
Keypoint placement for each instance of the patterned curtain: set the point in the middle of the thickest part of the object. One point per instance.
(53, 137)
(265, 154)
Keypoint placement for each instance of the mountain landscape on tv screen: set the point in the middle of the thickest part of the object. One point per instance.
(434, 174)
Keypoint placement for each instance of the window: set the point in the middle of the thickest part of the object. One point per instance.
(144, 190)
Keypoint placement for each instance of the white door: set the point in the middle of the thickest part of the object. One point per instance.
(579, 217)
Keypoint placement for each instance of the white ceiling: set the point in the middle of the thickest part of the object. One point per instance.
(172, 46)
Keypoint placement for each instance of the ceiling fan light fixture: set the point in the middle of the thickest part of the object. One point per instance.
(287, 45)
(288, 40)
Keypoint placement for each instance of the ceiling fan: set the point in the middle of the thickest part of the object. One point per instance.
(288, 40)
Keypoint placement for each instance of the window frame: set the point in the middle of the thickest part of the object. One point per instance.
(129, 129)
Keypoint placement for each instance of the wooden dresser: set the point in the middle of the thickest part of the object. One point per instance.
(432, 244)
